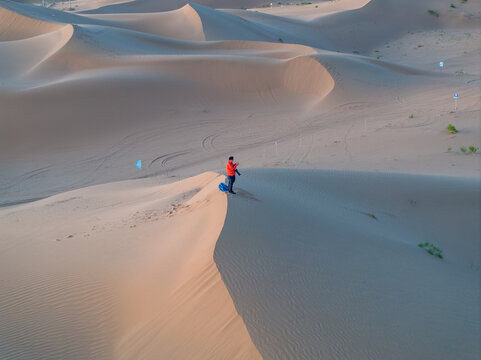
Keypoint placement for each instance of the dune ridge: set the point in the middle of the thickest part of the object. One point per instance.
(15, 26)
(148, 6)
(90, 47)
(183, 23)
(18, 58)
(128, 281)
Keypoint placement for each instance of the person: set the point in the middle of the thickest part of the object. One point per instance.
(231, 170)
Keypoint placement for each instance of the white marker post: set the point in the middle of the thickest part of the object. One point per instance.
(276, 149)
(455, 97)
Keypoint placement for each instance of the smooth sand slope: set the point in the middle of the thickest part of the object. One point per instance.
(325, 265)
(113, 272)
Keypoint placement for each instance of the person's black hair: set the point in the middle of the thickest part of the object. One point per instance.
(231, 158)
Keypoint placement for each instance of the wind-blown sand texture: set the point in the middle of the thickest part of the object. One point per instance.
(325, 265)
(112, 272)
(345, 105)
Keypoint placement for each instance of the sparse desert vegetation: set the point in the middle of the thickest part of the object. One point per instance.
(451, 129)
(431, 249)
(466, 150)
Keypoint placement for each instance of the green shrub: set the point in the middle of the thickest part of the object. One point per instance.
(280, 40)
(473, 149)
(463, 149)
(431, 249)
(464, 1)
(451, 128)
(411, 116)
(452, 5)
(432, 12)
(449, 149)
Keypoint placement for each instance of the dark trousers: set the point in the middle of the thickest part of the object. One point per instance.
(230, 181)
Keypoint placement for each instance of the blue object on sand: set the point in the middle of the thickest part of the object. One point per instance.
(223, 187)
(455, 96)
(139, 164)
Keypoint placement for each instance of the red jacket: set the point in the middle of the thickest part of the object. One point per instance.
(230, 168)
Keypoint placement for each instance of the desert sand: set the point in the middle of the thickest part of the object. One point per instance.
(116, 274)
(336, 111)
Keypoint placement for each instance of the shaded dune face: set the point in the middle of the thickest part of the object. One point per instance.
(325, 264)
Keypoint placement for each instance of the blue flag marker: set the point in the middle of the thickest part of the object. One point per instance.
(441, 64)
(139, 164)
(455, 97)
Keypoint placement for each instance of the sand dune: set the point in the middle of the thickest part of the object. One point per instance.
(18, 58)
(306, 285)
(183, 23)
(94, 59)
(313, 10)
(358, 30)
(15, 26)
(146, 6)
(221, 87)
(125, 281)
(326, 265)
(313, 264)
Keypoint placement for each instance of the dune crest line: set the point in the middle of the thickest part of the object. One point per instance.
(129, 279)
